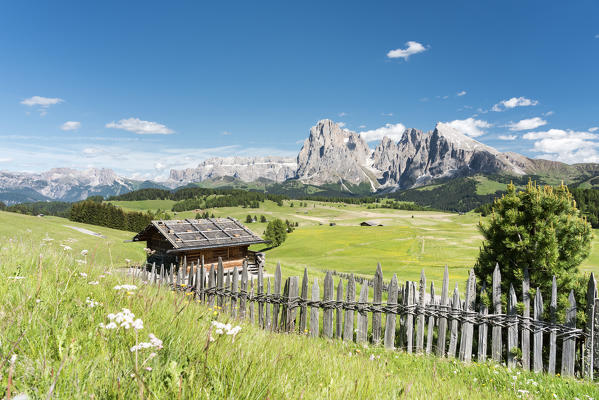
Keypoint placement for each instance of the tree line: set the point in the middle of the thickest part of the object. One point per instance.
(111, 216)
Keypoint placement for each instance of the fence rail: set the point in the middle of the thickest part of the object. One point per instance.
(414, 321)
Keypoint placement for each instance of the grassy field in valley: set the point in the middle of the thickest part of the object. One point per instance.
(52, 344)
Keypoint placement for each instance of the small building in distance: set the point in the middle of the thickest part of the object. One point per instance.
(370, 223)
(178, 241)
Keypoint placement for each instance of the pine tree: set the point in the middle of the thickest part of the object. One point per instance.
(540, 229)
(276, 232)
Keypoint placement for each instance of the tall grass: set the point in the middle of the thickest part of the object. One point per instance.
(50, 321)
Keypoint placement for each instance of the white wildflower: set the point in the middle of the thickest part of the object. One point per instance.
(125, 287)
(372, 357)
(16, 278)
(80, 261)
(154, 343)
(84, 252)
(91, 302)
(67, 248)
(83, 274)
(93, 283)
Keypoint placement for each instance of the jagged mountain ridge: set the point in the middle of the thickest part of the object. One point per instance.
(329, 156)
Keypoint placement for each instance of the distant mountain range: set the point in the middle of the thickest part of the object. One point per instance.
(331, 158)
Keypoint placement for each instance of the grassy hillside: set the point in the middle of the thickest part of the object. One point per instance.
(52, 345)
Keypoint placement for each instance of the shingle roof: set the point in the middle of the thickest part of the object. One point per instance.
(191, 234)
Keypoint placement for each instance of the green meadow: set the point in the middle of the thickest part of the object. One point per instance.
(56, 341)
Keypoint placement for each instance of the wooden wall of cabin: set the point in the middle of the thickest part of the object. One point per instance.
(231, 256)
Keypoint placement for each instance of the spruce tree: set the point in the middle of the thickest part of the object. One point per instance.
(539, 229)
(276, 232)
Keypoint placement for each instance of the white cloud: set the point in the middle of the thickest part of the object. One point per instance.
(594, 129)
(412, 48)
(140, 127)
(462, 93)
(41, 101)
(507, 137)
(527, 124)
(5, 160)
(387, 114)
(565, 145)
(548, 113)
(470, 126)
(71, 126)
(341, 124)
(513, 103)
(342, 114)
(226, 133)
(393, 131)
(362, 127)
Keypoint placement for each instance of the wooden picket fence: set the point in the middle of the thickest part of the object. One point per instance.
(443, 325)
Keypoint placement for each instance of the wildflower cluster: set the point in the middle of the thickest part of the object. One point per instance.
(91, 302)
(153, 343)
(124, 319)
(225, 329)
(125, 287)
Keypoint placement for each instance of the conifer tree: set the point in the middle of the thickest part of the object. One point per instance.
(276, 232)
(538, 228)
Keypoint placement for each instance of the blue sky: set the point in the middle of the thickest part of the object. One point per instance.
(142, 87)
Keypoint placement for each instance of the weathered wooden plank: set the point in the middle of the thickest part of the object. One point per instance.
(596, 335)
(569, 344)
(512, 330)
(483, 310)
(260, 292)
(211, 285)
(431, 323)
(467, 327)
(409, 325)
(496, 334)
(339, 311)
(526, 324)
(377, 299)
(553, 333)
(244, 290)
(277, 295)
(327, 315)
(251, 301)
(292, 303)
(267, 320)
(401, 317)
(538, 333)
(303, 320)
(153, 274)
(161, 281)
(190, 276)
(178, 279)
(284, 308)
(234, 292)
(589, 329)
(220, 281)
(314, 310)
(456, 305)
(227, 297)
(443, 306)
(390, 318)
(172, 276)
(420, 311)
(362, 333)
(348, 322)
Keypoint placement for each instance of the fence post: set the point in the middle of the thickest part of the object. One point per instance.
(453, 337)
(420, 308)
(467, 327)
(496, 337)
(251, 299)
(390, 318)
(260, 292)
(234, 292)
(284, 309)
(589, 330)
(314, 310)
(362, 334)
(553, 333)
(267, 322)
(292, 303)
(304, 309)
(409, 331)
(277, 296)
(569, 344)
(327, 314)
(244, 289)
(538, 333)
(377, 299)
(339, 311)
(348, 323)
(526, 323)
(512, 330)
(431, 322)
(220, 281)
(482, 328)
(442, 330)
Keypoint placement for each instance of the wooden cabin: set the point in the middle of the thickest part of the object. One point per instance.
(178, 241)
(370, 223)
